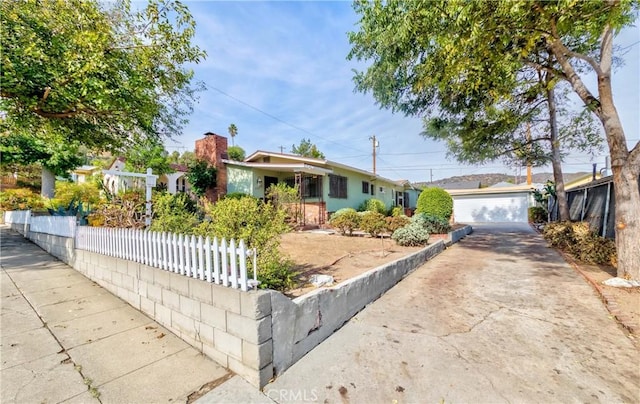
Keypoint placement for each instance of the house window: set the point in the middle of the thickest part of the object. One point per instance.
(381, 190)
(309, 188)
(365, 187)
(337, 186)
(373, 189)
(181, 184)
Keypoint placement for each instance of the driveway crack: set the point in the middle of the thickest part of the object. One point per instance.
(482, 320)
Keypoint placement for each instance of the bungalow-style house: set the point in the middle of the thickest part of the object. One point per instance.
(325, 186)
(84, 173)
(173, 182)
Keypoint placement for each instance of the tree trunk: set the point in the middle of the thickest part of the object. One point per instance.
(627, 196)
(556, 159)
(48, 183)
(626, 170)
(624, 164)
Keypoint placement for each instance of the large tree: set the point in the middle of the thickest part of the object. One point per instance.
(53, 156)
(433, 56)
(307, 149)
(148, 155)
(99, 73)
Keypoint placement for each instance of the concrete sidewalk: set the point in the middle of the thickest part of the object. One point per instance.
(499, 317)
(66, 339)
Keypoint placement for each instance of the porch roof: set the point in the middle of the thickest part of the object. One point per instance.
(283, 167)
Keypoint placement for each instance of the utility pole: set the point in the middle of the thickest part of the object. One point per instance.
(431, 175)
(375, 144)
(281, 149)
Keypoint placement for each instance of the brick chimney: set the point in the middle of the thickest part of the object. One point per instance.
(213, 149)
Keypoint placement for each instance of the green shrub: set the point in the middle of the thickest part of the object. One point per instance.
(578, 239)
(373, 223)
(396, 222)
(435, 201)
(20, 199)
(346, 220)
(259, 224)
(537, 214)
(276, 272)
(201, 176)
(373, 205)
(413, 234)
(174, 213)
(87, 193)
(433, 224)
(396, 211)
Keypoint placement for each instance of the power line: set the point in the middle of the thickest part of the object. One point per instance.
(279, 119)
(413, 153)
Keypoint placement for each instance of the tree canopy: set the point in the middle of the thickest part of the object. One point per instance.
(236, 153)
(148, 155)
(21, 150)
(103, 74)
(307, 149)
(474, 65)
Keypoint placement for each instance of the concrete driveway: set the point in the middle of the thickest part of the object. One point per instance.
(499, 317)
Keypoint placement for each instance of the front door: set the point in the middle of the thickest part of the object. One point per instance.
(268, 181)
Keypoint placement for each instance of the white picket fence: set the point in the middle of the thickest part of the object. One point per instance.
(214, 260)
(64, 226)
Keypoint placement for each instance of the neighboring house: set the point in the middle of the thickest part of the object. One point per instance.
(173, 182)
(494, 204)
(176, 181)
(84, 173)
(325, 185)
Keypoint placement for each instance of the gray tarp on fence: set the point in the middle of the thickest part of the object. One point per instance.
(589, 203)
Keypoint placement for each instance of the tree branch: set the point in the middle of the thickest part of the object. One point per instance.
(574, 79)
(556, 73)
(70, 113)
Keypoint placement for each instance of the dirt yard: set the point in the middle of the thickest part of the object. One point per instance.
(339, 256)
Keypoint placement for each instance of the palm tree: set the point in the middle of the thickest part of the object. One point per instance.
(233, 131)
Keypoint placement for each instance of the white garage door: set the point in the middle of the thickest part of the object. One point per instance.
(510, 207)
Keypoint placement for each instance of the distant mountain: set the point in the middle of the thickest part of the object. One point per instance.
(486, 180)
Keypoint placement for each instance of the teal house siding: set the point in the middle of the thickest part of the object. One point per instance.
(353, 186)
(240, 179)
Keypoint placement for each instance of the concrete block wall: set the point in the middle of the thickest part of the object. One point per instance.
(20, 228)
(230, 326)
(58, 246)
(299, 325)
(457, 235)
(256, 334)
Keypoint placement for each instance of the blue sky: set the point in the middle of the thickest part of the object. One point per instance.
(278, 71)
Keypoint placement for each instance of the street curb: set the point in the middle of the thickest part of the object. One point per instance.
(607, 298)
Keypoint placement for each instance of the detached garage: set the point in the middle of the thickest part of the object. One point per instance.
(492, 204)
